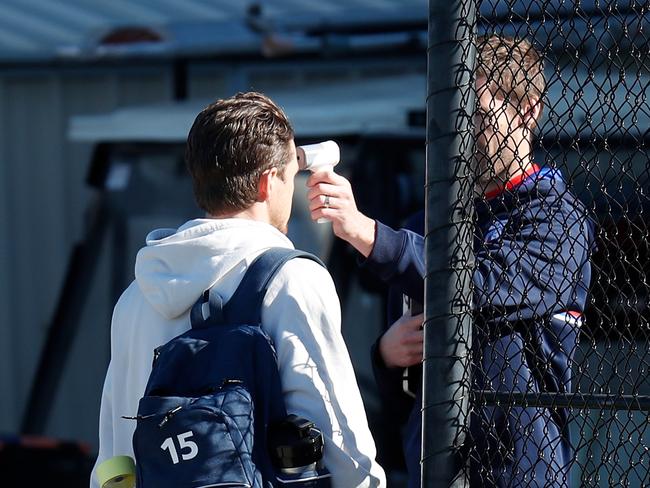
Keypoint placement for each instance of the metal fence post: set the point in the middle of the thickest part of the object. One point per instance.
(448, 241)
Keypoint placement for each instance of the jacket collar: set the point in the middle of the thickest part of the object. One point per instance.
(513, 182)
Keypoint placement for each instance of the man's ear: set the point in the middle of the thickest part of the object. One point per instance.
(265, 185)
(530, 113)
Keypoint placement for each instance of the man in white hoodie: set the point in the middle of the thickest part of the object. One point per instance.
(242, 159)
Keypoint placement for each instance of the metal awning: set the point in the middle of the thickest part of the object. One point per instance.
(43, 30)
(335, 109)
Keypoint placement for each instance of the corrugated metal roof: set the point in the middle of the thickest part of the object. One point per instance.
(45, 29)
(32, 30)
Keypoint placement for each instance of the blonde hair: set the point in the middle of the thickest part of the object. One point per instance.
(513, 67)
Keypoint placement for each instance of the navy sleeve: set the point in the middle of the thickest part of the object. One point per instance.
(389, 385)
(398, 404)
(539, 263)
(397, 258)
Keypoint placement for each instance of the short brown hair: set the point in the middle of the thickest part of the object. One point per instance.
(513, 67)
(231, 143)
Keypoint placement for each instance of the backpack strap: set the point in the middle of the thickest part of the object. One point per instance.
(245, 305)
(197, 320)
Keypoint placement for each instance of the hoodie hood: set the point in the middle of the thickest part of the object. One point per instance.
(177, 265)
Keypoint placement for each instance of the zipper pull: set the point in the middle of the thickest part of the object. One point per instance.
(169, 415)
(230, 382)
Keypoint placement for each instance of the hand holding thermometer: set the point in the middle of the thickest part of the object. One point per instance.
(317, 157)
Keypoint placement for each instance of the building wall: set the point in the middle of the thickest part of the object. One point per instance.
(44, 197)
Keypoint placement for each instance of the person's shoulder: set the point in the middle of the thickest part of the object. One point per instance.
(545, 190)
(129, 298)
(547, 183)
(128, 307)
(303, 275)
(305, 284)
(302, 269)
(552, 189)
(548, 198)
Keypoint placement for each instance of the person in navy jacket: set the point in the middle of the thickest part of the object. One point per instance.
(532, 244)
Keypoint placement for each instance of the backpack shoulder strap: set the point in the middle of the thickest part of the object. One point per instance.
(245, 305)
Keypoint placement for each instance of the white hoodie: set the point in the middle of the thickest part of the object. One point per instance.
(301, 314)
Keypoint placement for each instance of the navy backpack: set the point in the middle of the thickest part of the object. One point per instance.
(213, 392)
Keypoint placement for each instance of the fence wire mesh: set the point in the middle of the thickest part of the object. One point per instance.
(558, 371)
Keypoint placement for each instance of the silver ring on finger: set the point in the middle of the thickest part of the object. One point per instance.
(326, 202)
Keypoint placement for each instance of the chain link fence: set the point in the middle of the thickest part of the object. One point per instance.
(556, 365)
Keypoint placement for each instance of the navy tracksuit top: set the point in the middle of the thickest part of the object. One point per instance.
(532, 246)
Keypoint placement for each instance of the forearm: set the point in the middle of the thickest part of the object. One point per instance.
(361, 236)
(397, 259)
